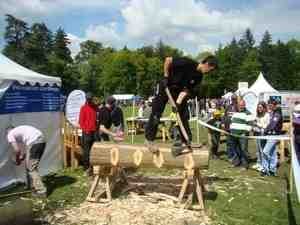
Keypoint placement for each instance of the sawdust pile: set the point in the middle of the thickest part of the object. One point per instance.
(151, 209)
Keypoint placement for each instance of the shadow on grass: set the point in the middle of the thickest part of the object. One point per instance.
(211, 179)
(54, 181)
(291, 215)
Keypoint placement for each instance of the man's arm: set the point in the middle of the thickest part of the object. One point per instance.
(17, 148)
(182, 95)
(106, 131)
(115, 136)
(167, 64)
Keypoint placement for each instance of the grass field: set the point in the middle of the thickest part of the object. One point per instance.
(235, 198)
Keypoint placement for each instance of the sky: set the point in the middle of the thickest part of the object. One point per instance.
(190, 25)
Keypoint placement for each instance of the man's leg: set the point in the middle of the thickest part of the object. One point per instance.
(32, 165)
(88, 140)
(230, 147)
(273, 161)
(236, 151)
(243, 143)
(268, 151)
(215, 140)
(184, 116)
(158, 106)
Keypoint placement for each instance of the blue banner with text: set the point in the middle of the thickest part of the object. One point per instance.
(20, 98)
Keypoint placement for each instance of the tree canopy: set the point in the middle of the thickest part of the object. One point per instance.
(104, 70)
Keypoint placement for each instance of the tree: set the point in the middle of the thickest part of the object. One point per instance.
(148, 51)
(247, 41)
(250, 67)
(15, 35)
(60, 61)
(38, 47)
(266, 54)
(87, 50)
(60, 46)
(283, 76)
(162, 51)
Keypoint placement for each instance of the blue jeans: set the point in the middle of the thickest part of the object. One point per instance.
(241, 151)
(231, 147)
(269, 156)
(259, 150)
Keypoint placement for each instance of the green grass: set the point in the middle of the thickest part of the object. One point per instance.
(235, 197)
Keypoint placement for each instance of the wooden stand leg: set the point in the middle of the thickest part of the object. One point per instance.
(183, 189)
(65, 155)
(90, 197)
(110, 178)
(107, 188)
(192, 177)
(72, 158)
(198, 188)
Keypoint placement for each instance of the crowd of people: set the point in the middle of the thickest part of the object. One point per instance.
(99, 122)
(234, 118)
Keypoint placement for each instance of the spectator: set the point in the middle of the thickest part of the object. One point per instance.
(241, 125)
(261, 122)
(214, 120)
(88, 125)
(296, 126)
(29, 143)
(148, 108)
(269, 156)
(111, 115)
(141, 109)
(229, 110)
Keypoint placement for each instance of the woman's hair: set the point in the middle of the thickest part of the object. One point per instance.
(264, 105)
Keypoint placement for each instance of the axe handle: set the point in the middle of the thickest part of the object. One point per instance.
(172, 102)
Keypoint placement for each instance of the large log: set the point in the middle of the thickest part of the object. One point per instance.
(109, 154)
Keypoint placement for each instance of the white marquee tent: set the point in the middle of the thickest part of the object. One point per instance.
(259, 87)
(28, 98)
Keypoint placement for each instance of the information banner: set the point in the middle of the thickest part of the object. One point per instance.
(74, 102)
(20, 98)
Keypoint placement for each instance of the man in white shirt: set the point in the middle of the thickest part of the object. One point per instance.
(29, 143)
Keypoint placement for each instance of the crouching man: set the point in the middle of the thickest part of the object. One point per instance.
(29, 144)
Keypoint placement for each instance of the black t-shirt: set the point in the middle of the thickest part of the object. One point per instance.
(105, 117)
(108, 117)
(184, 74)
(117, 117)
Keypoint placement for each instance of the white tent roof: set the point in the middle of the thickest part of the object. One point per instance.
(241, 91)
(9, 70)
(123, 96)
(261, 85)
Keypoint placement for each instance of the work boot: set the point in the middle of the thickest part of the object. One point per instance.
(152, 147)
(177, 148)
(38, 185)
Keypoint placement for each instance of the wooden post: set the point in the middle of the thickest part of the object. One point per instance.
(192, 177)
(90, 198)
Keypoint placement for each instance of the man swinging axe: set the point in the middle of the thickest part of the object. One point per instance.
(181, 76)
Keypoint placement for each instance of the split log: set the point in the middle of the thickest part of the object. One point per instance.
(125, 155)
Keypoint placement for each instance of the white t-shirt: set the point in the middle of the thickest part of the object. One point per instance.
(26, 135)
